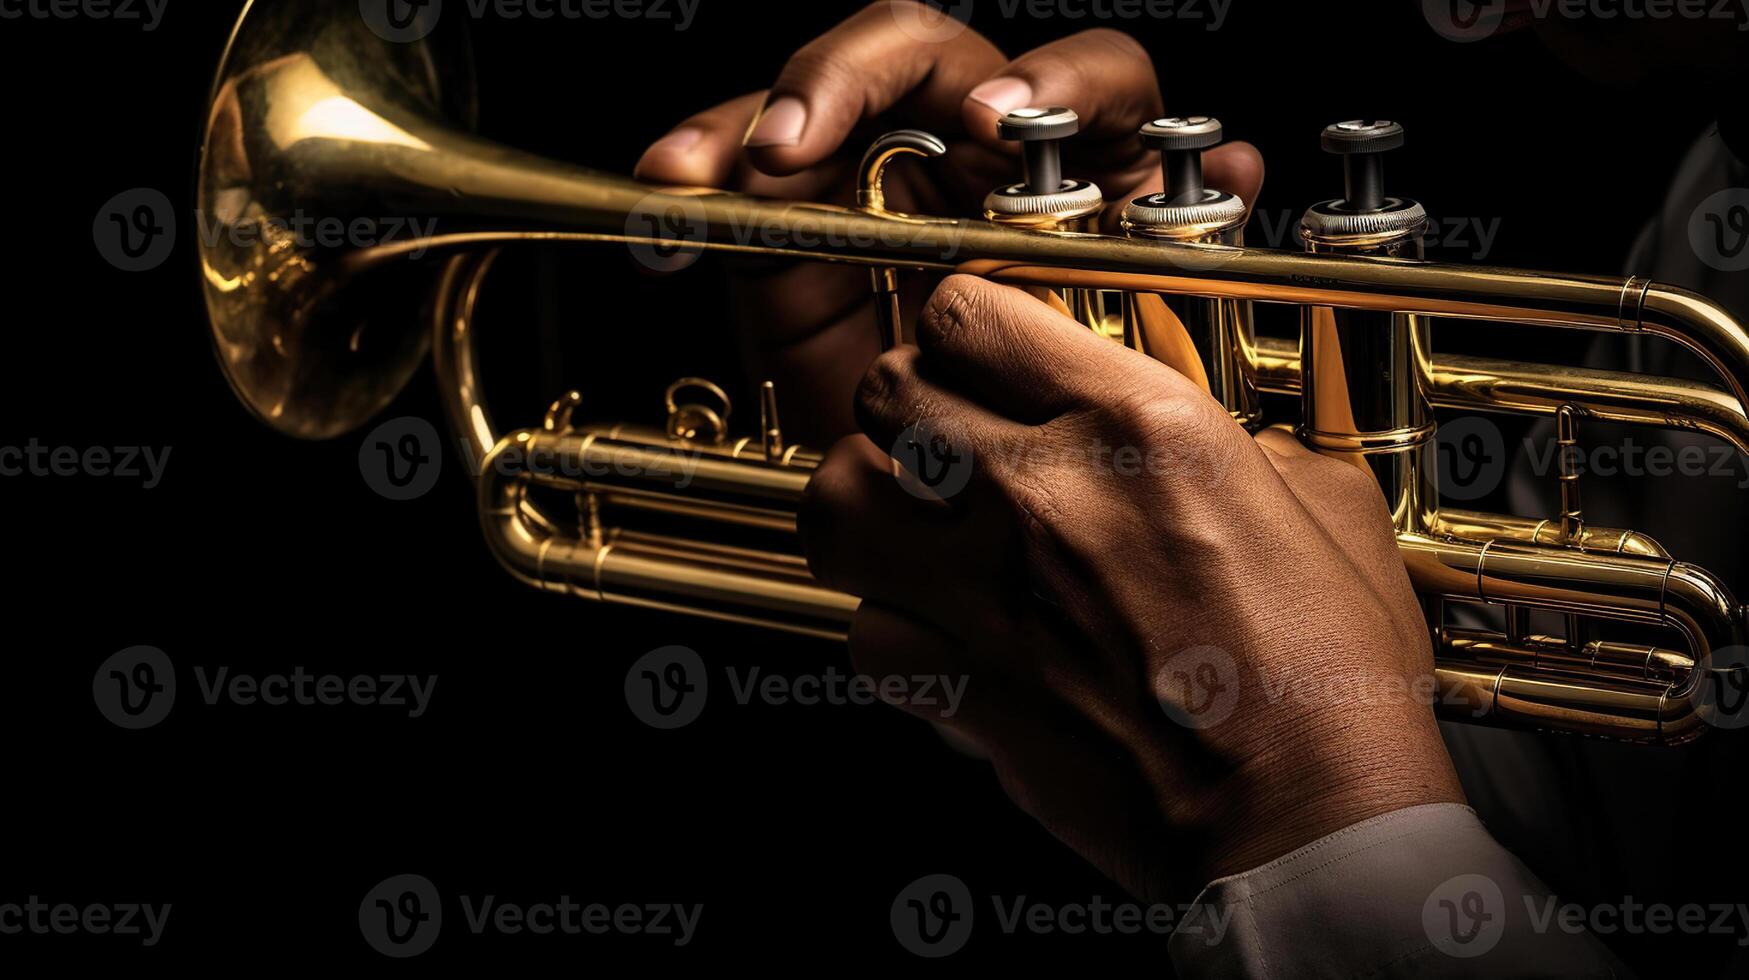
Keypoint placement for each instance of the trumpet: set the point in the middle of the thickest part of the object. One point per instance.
(312, 111)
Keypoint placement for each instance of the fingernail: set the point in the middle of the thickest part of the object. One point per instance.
(780, 124)
(1003, 94)
(677, 142)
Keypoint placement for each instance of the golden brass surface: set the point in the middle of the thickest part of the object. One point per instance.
(313, 115)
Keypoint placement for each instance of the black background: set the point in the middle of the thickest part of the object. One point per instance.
(529, 778)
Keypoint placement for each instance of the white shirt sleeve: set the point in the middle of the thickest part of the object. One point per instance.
(1422, 892)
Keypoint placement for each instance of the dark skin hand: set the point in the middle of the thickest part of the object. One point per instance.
(810, 328)
(1079, 593)
(1116, 524)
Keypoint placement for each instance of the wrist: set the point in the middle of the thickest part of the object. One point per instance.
(1325, 778)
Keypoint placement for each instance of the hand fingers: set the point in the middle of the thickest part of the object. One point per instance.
(1236, 168)
(1018, 357)
(1348, 505)
(862, 68)
(896, 404)
(888, 642)
(1104, 75)
(704, 150)
(1345, 499)
(863, 533)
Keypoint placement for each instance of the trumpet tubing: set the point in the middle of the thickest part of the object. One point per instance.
(311, 112)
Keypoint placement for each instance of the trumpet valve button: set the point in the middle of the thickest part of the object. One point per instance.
(1040, 131)
(1180, 141)
(1360, 143)
(1181, 133)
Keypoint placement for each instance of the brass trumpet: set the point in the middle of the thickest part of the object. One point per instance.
(314, 112)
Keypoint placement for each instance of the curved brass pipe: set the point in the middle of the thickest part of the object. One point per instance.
(1487, 384)
(312, 113)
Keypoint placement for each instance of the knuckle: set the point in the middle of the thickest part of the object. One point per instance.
(1116, 42)
(1152, 417)
(882, 383)
(951, 308)
(821, 63)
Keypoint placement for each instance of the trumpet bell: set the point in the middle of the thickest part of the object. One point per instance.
(308, 99)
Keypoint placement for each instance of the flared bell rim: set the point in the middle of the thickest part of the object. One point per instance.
(286, 322)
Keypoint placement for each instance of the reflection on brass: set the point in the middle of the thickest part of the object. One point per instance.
(313, 115)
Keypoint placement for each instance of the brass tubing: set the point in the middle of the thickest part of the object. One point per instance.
(1565, 701)
(1483, 527)
(738, 585)
(1492, 385)
(503, 195)
(1632, 588)
(1627, 660)
(584, 460)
